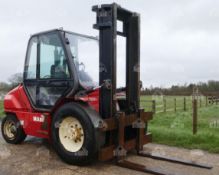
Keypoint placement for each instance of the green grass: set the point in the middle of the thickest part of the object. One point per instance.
(170, 102)
(175, 129)
(1, 109)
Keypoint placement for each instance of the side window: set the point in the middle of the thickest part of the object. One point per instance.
(53, 62)
(31, 64)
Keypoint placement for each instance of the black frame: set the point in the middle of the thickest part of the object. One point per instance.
(71, 83)
(106, 23)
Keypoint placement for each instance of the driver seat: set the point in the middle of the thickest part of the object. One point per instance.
(56, 71)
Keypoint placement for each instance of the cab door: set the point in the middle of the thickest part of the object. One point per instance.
(47, 75)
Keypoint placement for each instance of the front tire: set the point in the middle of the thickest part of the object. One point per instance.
(12, 130)
(73, 135)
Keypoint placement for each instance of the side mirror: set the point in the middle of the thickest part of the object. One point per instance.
(81, 66)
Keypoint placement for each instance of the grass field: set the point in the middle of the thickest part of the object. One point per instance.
(1, 109)
(146, 102)
(175, 128)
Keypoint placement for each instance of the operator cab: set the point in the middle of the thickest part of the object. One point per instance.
(59, 63)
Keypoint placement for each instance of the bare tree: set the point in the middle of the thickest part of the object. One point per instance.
(16, 79)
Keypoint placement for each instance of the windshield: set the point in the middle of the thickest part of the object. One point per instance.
(85, 54)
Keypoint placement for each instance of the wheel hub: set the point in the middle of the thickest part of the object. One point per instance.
(76, 134)
(10, 129)
(71, 134)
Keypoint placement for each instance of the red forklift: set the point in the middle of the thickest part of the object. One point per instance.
(76, 107)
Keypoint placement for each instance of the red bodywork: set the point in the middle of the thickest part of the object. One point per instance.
(36, 123)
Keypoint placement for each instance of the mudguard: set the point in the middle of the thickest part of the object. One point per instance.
(96, 120)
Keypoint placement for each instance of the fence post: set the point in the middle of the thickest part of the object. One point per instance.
(184, 104)
(164, 105)
(206, 101)
(200, 101)
(175, 104)
(194, 116)
(154, 106)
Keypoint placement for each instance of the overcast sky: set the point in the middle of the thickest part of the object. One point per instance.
(179, 38)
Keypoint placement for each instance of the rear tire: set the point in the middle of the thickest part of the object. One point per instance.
(73, 135)
(12, 130)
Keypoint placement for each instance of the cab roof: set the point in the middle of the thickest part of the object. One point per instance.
(61, 30)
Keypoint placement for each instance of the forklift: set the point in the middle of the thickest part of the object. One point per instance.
(79, 109)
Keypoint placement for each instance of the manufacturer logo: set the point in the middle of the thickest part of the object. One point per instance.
(39, 118)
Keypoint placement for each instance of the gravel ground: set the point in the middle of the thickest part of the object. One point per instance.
(36, 157)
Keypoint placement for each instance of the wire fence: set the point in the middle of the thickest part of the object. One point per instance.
(159, 104)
